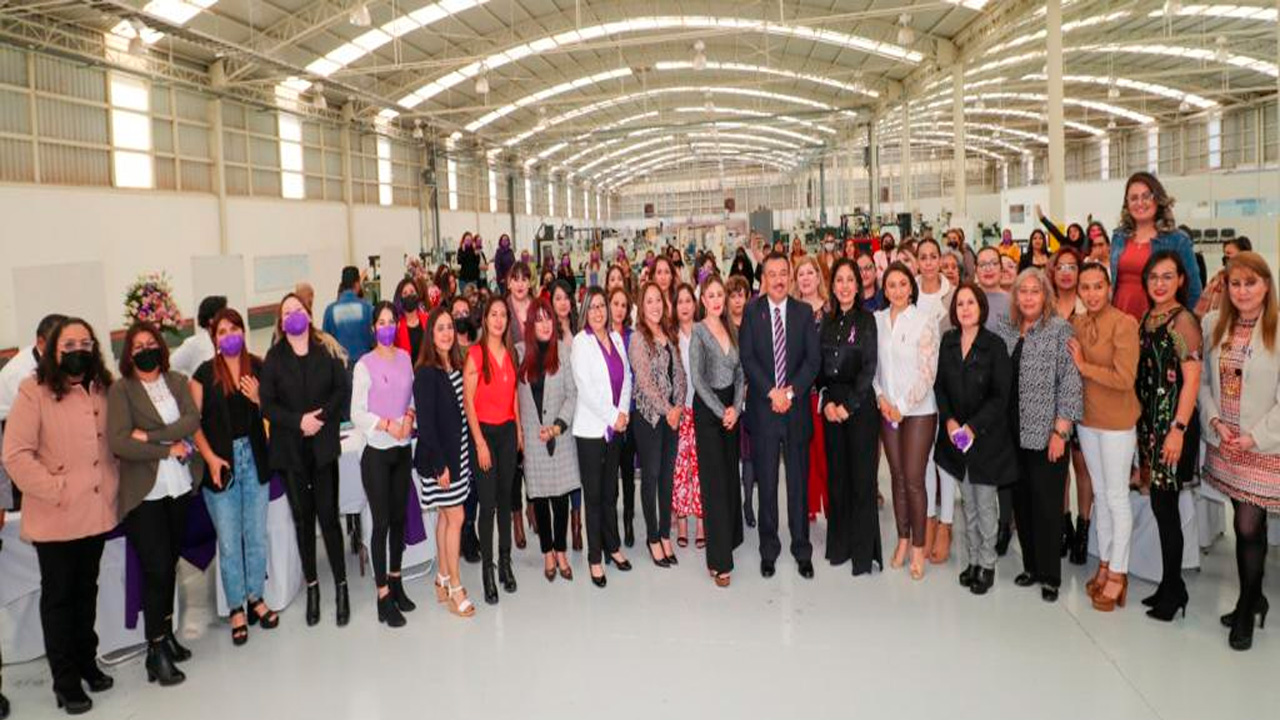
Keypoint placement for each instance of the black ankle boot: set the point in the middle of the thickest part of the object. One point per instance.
(1080, 543)
(629, 534)
(176, 651)
(396, 585)
(490, 587)
(1173, 600)
(506, 575)
(1154, 598)
(313, 604)
(343, 604)
(389, 613)
(968, 575)
(1241, 637)
(1260, 608)
(470, 544)
(1068, 534)
(73, 700)
(4, 706)
(1004, 536)
(160, 667)
(97, 680)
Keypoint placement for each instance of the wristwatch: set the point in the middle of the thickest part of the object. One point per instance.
(1064, 434)
(790, 395)
(1179, 426)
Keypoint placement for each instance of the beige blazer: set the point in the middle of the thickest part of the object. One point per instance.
(1260, 396)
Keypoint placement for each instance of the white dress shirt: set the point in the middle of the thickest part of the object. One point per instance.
(173, 479)
(192, 353)
(19, 368)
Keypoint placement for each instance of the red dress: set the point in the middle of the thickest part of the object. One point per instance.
(1130, 295)
(819, 502)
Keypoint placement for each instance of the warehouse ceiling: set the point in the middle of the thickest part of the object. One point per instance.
(605, 92)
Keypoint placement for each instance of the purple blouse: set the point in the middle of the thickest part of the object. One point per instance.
(613, 359)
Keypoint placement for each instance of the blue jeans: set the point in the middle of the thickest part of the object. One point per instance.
(239, 514)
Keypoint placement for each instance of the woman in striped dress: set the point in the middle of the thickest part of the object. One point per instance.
(442, 458)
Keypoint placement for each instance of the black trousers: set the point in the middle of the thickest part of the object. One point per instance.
(853, 520)
(494, 488)
(1005, 495)
(656, 445)
(386, 477)
(517, 485)
(1164, 507)
(69, 607)
(719, 483)
(598, 466)
(770, 444)
(627, 472)
(552, 514)
(313, 497)
(155, 529)
(1037, 508)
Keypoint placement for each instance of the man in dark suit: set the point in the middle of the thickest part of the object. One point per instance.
(778, 343)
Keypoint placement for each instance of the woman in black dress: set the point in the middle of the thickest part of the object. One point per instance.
(851, 422)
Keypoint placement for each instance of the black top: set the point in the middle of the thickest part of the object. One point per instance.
(415, 340)
(974, 390)
(1015, 402)
(291, 386)
(225, 418)
(468, 265)
(439, 424)
(848, 359)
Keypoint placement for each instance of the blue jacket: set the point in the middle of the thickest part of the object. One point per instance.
(1176, 241)
(349, 319)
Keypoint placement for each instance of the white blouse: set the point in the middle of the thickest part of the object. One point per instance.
(173, 479)
(907, 360)
(684, 360)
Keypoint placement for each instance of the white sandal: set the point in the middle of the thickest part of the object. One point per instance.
(442, 588)
(463, 607)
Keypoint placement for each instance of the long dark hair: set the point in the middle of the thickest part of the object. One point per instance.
(666, 323)
(49, 373)
(574, 321)
(537, 364)
(486, 371)
(428, 355)
(857, 279)
(724, 318)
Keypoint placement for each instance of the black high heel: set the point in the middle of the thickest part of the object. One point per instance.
(599, 581)
(239, 635)
(1241, 636)
(268, 620)
(176, 651)
(1260, 608)
(74, 702)
(343, 604)
(623, 565)
(506, 575)
(313, 605)
(160, 667)
(97, 680)
(661, 562)
(1169, 606)
(1154, 598)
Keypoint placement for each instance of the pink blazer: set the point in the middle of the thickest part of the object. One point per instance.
(56, 452)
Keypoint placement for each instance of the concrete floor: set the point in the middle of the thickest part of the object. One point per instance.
(667, 643)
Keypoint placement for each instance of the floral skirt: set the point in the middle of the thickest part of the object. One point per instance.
(686, 492)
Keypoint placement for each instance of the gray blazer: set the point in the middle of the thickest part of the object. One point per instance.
(1260, 394)
(1049, 385)
(547, 475)
(129, 408)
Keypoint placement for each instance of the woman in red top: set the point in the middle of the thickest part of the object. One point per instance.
(489, 393)
(412, 325)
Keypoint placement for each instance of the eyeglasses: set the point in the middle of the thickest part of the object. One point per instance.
(1145, 197)
(989, 265)
(1162, 278)
(72, 346)
(1067, 268)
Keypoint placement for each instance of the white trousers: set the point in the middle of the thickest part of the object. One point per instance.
(1109, 456)
(940, 493)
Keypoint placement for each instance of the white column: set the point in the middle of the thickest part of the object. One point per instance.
(961, 198)
(1057, 137)
(873, 142)
(219, 173)
(348, 115)
(904, 162)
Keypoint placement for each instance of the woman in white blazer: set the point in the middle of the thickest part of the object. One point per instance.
(1240, 414)
(907, 362)
(603, 377)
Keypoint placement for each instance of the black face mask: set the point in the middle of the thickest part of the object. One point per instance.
(76, 362)
(409, 303)
(463, 326)
(147, 360)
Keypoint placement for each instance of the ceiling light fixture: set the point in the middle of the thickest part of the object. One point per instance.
(1220, 53)
(1111, 124)
(417, 129)
(699, 55)
(482, 83)
(318, 100)
(542, 119)
(906, 35)
(1184, 106)
(360, 16)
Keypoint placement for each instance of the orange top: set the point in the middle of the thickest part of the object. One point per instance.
(495, 400)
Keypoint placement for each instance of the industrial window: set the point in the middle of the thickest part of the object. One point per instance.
(131, 132)
(292, 183)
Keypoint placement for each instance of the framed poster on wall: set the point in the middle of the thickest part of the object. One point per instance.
(1017, 214)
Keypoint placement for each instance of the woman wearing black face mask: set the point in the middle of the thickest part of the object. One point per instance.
(55, 449)
(411, 327)
(151, 418)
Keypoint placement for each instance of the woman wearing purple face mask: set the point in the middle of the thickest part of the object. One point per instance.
(304, 388)
(233, 442)
(381, 408)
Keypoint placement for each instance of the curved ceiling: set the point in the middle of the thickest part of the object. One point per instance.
(559, 84)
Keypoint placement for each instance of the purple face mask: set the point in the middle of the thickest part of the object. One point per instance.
(296, 323)
(231, 345)
(386, 334)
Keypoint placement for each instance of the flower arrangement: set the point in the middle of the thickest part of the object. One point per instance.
(150, 299)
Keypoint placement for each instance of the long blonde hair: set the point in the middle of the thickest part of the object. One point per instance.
(1227, 316)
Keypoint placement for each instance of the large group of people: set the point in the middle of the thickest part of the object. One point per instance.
(986, 375)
